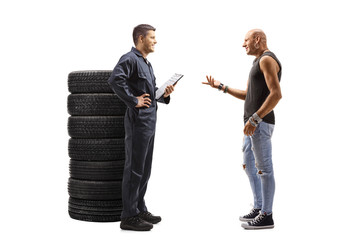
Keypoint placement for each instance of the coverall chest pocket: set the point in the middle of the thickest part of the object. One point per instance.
(143, 75)
(143, 81)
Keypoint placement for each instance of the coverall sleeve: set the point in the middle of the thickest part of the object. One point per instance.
(118, 81)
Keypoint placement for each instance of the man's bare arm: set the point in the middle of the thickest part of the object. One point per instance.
(270, 69)
(241, 94)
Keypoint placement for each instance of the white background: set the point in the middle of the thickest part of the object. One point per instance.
(197, 184)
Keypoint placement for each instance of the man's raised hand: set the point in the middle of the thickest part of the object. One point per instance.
(212, 82)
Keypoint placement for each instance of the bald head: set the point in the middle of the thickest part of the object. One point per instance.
(259, 36)
(255, 42)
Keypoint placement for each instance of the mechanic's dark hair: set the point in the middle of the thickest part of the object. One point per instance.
(141, 29)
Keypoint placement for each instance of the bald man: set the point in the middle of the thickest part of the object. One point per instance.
(261, 96)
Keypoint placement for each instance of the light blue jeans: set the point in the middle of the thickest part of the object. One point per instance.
(258, 166)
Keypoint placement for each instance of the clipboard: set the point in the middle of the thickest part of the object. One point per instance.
(172, 81)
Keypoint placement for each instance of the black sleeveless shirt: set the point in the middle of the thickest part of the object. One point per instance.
(258, 91)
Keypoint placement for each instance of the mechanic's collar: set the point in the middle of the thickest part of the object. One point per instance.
(138, 53)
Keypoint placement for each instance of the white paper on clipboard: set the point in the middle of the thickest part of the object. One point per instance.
(174, 79)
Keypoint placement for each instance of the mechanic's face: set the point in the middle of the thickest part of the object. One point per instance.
(149, 41)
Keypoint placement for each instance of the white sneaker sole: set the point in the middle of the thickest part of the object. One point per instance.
(247, 226)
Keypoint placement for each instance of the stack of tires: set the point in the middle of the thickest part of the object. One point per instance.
(96, 147)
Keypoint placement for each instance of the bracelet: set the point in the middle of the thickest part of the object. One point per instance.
(257, 118)
(226, 89)
(220, 86)
(254, 124)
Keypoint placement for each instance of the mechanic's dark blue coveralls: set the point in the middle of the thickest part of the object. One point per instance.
(132, 77)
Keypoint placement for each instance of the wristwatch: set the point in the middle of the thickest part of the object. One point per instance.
(252, 122)
(256, 118)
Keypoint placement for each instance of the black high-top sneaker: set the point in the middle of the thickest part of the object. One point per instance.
(262, 221)
(251, 216)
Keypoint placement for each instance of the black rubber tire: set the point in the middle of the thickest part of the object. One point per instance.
(93, 218)
(96, 171)
(104, 104)
(93, 211)
(96, 127)
(117, 204)
(101, 211)
(94, 190)
(97, 149)
(89, 81)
